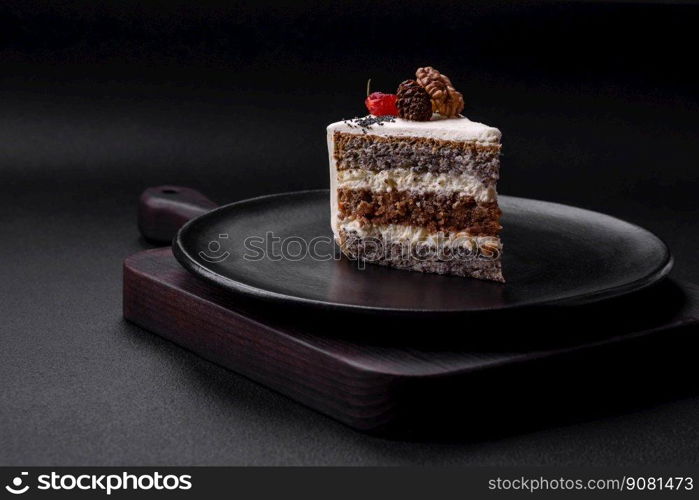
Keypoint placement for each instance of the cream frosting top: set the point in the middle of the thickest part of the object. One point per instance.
(448, 129)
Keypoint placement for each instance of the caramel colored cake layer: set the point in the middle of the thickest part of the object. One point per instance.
(451, 212)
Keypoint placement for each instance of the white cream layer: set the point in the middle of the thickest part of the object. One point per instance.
(414, 235)
(403, 179)
(448, 129)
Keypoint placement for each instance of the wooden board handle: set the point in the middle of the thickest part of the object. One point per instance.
(162, 210)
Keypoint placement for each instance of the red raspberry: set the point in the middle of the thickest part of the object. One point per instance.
(380, 104)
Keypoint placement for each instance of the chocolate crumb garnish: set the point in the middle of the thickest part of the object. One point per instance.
(365, 122)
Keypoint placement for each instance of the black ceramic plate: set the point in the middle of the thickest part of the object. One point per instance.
(552, 254)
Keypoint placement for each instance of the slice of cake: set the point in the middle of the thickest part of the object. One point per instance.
(417, 191)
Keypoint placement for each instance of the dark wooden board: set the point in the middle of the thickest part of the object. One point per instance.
(380, 374)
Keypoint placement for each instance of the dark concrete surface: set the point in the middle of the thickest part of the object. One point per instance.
(84, 129)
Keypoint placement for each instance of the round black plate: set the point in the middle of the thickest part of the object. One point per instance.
(279, 248)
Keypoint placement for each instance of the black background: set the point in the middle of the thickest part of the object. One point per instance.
(598, 108)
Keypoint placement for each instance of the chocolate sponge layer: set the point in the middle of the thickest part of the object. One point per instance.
(434, 211)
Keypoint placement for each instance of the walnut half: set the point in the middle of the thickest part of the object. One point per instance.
(446, 100)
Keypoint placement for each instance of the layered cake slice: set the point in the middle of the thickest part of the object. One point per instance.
(417, 191)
